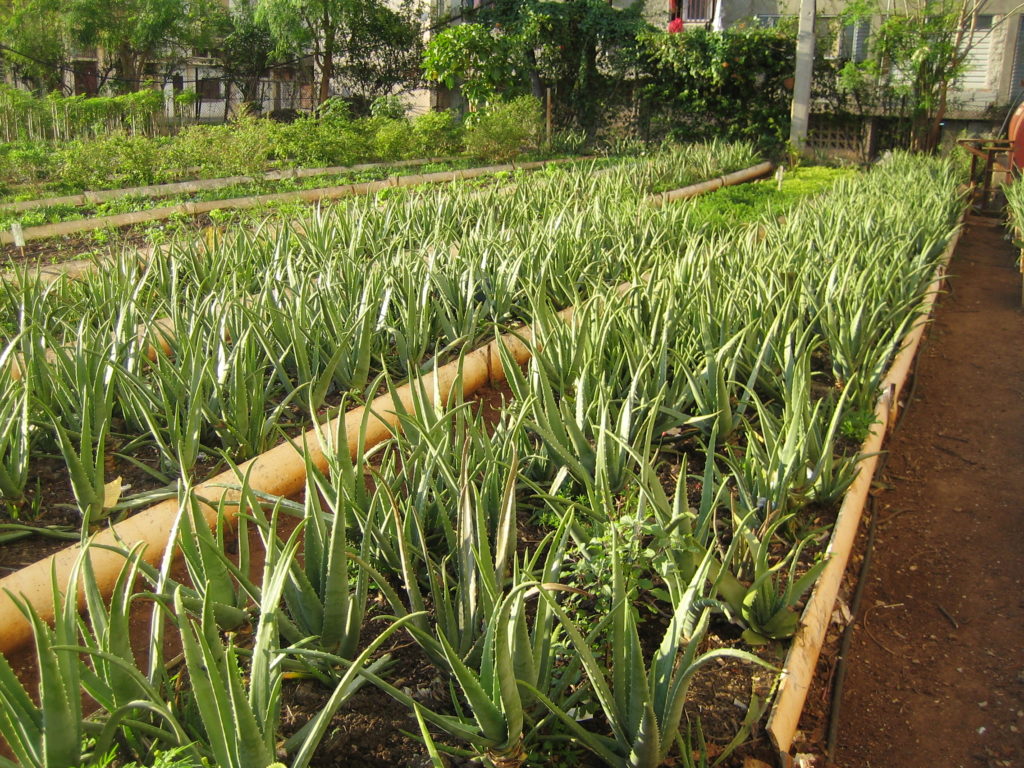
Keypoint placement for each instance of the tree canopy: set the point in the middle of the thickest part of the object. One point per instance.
(134, 33)
(35, 37)
(365, 47)
(580, 49)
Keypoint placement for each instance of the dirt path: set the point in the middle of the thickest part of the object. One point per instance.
(936, 668)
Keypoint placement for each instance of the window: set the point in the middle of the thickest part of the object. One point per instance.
(698, 10)
(853, 41)
(1017, 82)
(86, 77)
(691, 10)
(768, 20)
(850, 41)
(208, 89)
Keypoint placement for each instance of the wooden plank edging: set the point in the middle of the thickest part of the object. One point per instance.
(798, 669)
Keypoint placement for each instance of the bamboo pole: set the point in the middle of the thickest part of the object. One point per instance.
(281, 471)
(798, 670)
(240, 203)
(736, 177)
(200, 185)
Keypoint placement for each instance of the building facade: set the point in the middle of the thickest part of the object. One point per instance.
(992, 82)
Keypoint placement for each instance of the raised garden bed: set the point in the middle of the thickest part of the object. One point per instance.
(660, 456)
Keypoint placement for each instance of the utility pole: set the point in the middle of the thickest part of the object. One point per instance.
(801, 110)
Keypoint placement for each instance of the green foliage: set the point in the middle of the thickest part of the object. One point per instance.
(763, 200)
(503, 130)
(481, 62)
(729, 84)
(582, 51)
(112, 160)
(721, 404)
(381, 51)
(15, 441)
(332, 139)
(642, 701)
(769, 607)
(244, 146)
(856, 425)
(246, 48)
(394, 139)
(365, 47)
(136, 32)
(389, 107)
(585, 51)
(55, 117)
(37, 29)
(437, 134)
(915, 58)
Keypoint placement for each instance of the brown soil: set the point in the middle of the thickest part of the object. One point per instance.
(935, 675)
(84, 245)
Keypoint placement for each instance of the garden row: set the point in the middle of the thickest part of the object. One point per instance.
(356, 257)
(676, 448)
(218, 204)
(99, 212)
(250, 145)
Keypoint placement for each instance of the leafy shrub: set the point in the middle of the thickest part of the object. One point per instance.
(391, 107)
(114, 160)
(392, 139)
(242, 147)
(437, 134)
(311, 141)
(729, 84)
(505, 129)
(25, 161)
(249, 146)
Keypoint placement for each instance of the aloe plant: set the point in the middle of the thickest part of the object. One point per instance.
(770, 601)
(642, 702)
(56, 731)
(16, 439)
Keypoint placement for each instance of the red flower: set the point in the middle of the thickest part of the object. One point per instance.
(674, 26)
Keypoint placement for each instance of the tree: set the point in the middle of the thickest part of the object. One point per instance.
(133, 33)
(381, 48)
(479, 60)
(35, 38)
(731, 83)
(246, 49)
(916, 58)
(363, 42)
(580, 49)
